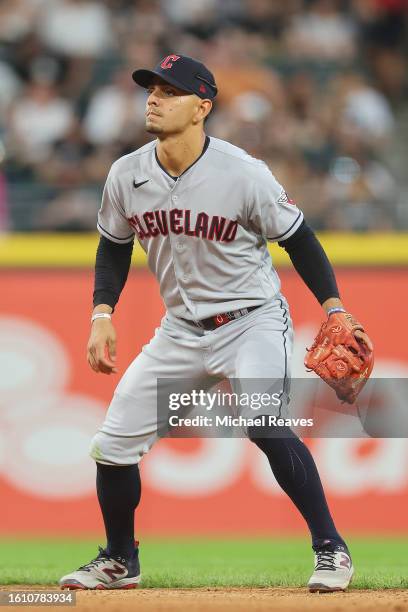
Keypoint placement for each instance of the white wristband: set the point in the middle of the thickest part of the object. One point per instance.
(101, 315)
(335, 309)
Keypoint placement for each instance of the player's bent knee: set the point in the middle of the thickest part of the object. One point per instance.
(266, 437)
(118, 450)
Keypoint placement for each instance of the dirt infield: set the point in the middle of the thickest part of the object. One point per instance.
(203, 600)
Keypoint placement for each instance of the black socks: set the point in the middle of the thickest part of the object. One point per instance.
(118, 489)
(295, 470)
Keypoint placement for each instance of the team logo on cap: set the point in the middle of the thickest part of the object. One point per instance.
(169, 61)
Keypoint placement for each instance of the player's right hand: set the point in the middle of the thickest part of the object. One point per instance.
(101, 349)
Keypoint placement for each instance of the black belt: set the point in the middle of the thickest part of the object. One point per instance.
(223, 318)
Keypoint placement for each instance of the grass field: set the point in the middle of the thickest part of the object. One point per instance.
(177, 563)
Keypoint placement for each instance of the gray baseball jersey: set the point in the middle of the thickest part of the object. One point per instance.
(205, 233)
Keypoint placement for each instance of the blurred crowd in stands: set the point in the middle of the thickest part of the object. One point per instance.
(316, 88)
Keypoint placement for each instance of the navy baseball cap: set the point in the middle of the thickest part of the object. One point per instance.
(183, 72)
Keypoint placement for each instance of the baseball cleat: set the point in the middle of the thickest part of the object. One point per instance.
(105, 572)
(333, 570)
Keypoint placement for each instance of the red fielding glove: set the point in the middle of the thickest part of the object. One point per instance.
(342, 360)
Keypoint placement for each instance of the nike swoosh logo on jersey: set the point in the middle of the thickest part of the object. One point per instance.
(136, 185)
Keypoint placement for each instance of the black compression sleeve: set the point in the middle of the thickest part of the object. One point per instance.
(111, 271)
(311, 262)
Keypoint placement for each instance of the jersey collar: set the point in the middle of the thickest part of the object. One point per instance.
(205, 147)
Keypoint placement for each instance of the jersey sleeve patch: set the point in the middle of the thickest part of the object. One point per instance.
(285, 199)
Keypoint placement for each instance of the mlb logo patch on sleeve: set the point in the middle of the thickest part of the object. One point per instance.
(284, 198)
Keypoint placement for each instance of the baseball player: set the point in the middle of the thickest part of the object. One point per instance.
(203, 211)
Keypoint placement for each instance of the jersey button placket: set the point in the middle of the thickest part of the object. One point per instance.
(177, 247)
